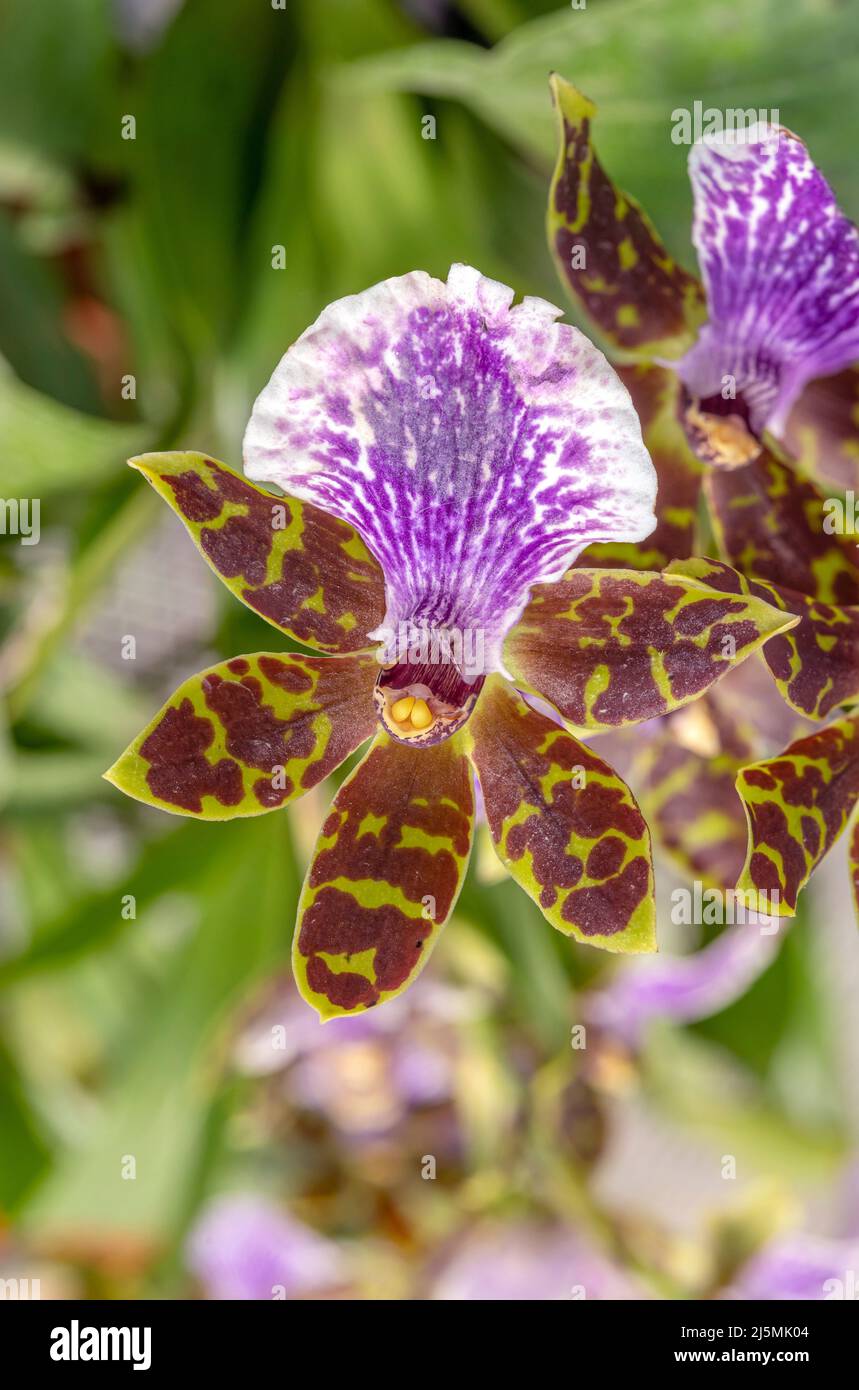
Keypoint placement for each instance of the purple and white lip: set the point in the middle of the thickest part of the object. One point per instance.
(477, 447)
(780, 264)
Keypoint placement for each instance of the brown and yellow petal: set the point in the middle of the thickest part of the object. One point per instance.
(563, 823)
(302, 570)
(385, 875)
(607, 251)
(248, 735)
(614, 647)
(797, 805)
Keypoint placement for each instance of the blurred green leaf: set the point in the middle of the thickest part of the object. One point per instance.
(33, 338)
(70, 929)
(133, 510)
(25, 1151)
(47, 448)
(58, 71)
(87, 704)
(540, 986)
(201, 106)
(702, 1088)
(641, 59)
(155, 1107)
(48, 780)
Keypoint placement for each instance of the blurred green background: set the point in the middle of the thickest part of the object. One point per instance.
(303, 126)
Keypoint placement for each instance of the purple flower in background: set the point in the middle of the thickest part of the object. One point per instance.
(780, 265)
(807, 1265)
(365, 1074)
(800, 1266)
(531, 1263)
(244, 1247)
(684, 988)
(767, 344)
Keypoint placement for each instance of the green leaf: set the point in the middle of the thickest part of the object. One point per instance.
(639, 60)
(25, 1149)
(47, 448)
(58, 76)
(64, 931)
(156, 1101)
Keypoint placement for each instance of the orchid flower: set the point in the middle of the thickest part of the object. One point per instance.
(247, 1247)
(730, 379)
(371, 1072)
(444, 458)
(779, 304)
(531, 1262)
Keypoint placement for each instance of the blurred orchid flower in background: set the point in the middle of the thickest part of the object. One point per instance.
(246, 1247)
(781, 297)
(367, 1074)
(779, 305)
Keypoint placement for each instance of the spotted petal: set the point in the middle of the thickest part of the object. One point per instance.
(303, 571)
(781, 268)
(797, 805)
(476, 447)
(656, 394)
(773, 526)
(693, 810)
(564, 824)
(613, 647)
(606, 249)
(250, 734)
(385, 875)
(822, 430)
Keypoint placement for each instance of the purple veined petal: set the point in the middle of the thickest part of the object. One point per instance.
(530, 1263)
(476, 447)
(684, 988)
(781, 267)
(802, 1267)
(245, 1247)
